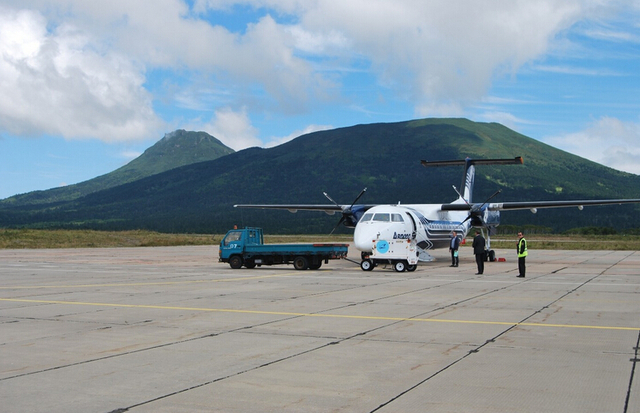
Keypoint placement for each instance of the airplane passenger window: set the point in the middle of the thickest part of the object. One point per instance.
(381, 217)
(397, 218)
(366, 217)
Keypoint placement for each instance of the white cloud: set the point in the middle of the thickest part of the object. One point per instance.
(58, 82)
(608, 141)
(582, 71)
(275, 141)
(77, 68)
(504, 118)
(130, 155)
(232, 128)
(442, 55)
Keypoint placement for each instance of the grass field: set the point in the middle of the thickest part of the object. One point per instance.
(29, 238)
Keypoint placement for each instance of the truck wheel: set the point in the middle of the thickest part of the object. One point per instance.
(315, 266)
(366, 265)
(400, 266)
(235, 262)
(250, 264)
(411, 268)
(300, 263)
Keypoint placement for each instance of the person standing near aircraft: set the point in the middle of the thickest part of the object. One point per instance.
(478, 249)
(453, 248)
(521, 249)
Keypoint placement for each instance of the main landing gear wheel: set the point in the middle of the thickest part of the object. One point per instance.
(400, 266)
(366, 265)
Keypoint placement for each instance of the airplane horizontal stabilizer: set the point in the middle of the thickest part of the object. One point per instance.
(468, 161)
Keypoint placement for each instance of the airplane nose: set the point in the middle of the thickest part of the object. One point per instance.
(363, 237)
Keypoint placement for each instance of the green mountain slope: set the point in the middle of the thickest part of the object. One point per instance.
(385, 158)
(175, 149)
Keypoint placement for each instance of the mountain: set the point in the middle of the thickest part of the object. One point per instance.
(383, 157)
(175, 149)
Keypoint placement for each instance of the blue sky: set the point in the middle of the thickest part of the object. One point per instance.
(85, 87)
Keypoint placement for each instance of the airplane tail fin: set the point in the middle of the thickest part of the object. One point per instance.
(469, 170)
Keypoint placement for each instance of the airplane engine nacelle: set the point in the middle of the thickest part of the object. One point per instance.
(351, 219)
(491, 218)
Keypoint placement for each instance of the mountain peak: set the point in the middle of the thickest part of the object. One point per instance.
(175, 149)
(182, 147)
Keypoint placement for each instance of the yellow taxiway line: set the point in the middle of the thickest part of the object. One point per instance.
(340, 316)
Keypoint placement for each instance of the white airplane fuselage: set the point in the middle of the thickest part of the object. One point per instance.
(426, 223)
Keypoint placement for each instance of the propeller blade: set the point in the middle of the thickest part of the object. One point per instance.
(337, 225)
(459, 194)
(345, 211)
(358, 197)
(329, 198)
(476, 211)
(491, 197)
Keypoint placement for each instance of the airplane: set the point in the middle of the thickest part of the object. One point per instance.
(430, 226)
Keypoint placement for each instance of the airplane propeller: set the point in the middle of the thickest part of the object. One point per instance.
(476, 211)
(347, 214)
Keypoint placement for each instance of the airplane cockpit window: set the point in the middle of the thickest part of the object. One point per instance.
(396, 218)
(366, 217)
(381, 217)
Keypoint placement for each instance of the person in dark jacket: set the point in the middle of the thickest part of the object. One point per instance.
(478, 250)
(453, 249)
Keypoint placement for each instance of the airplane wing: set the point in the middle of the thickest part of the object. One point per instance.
(350, 213)
(329, 209)
(533, 205)
(505, 206)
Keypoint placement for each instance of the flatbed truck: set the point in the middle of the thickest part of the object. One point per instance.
(245, 247)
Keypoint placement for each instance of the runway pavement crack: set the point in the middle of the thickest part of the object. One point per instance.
(108, 357)
(238, 373)
(492, 340)
(331, 343)
(634, 362)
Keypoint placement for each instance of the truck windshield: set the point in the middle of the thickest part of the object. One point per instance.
(232, 237)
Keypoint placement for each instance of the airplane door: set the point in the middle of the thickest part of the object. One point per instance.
(413, 226)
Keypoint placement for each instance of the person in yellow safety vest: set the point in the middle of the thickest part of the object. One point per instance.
(521, 248)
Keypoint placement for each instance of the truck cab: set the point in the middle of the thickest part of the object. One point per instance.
(236, 239)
